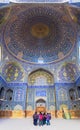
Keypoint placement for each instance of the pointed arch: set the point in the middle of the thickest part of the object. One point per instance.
(40, 100)
(9, 94)
(72, 94)
(2, 93)
(40, 77)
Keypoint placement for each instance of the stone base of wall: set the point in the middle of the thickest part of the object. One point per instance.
(29, 113)
(4, 114)
(69, 114)
(59, 114)
(18, 114)
(12, 114)
(74, 113)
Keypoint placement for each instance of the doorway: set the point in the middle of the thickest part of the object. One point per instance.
(41, 105)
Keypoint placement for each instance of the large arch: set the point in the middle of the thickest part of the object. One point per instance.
(39, 74)
(40, 92)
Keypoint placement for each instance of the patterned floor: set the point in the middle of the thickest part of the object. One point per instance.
(27, 124)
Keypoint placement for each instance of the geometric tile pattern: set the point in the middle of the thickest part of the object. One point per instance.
(39, 30)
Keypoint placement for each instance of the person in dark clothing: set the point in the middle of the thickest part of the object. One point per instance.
(48, 118)
(35, 118)
(44, 118)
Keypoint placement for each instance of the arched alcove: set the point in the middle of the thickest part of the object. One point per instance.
(72, 94)
(40, 105)
(40, 91)
(2, 93)
(40, 77)
(68, 72)
(9, 94)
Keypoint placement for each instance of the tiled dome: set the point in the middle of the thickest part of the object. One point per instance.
(39, 30)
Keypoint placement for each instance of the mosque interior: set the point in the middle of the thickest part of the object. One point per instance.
(40, 59)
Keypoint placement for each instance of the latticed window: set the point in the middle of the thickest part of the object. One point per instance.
(2, 93)
(9, 95)
(78, 91)
(72, 94)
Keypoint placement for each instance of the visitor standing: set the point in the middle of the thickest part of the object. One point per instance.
(35, 118)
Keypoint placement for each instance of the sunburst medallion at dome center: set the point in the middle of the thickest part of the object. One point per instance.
(39, 33)
(40, 30)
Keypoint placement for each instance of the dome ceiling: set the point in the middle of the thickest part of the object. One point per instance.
(39, 32)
